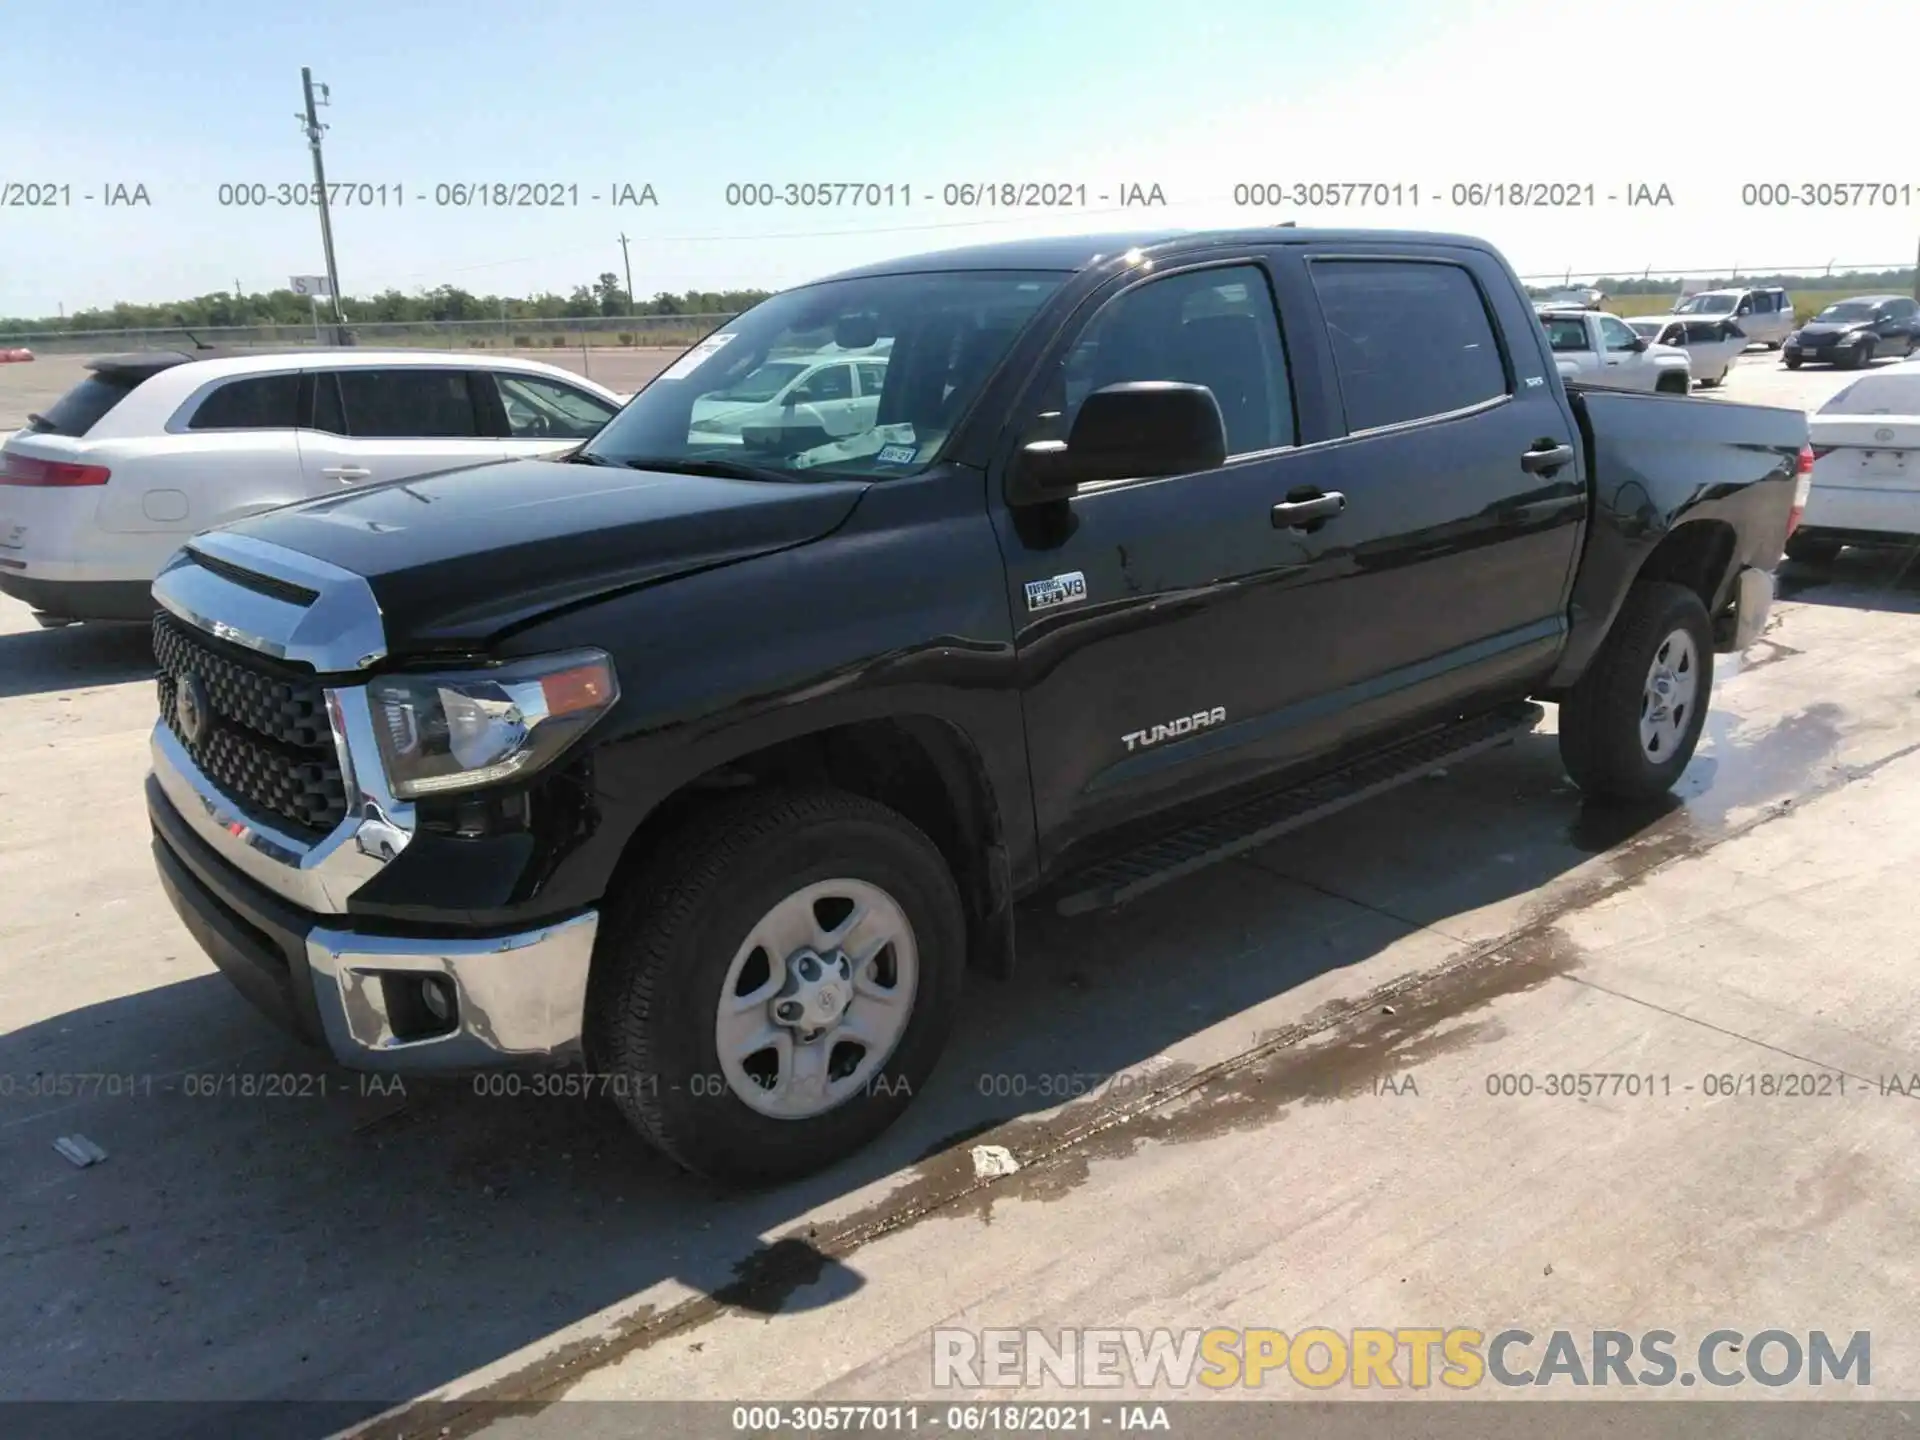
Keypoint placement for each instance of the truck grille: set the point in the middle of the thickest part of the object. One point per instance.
(265, 740)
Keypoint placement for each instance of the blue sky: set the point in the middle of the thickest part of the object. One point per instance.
(1693, 94)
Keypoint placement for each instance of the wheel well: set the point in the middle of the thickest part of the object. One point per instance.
(922, 767)
(1697, 555)
(1674, 384)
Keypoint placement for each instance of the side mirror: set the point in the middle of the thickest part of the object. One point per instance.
(1138, 430)
(1639, 343)
(802, 396)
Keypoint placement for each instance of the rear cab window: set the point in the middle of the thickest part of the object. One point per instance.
(1412, 339)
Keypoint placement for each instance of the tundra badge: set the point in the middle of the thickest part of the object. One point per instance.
(1056, 590)
(1185, 725)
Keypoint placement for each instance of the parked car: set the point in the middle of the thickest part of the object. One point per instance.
(152, 447)
(1765, 314)
(838, 393)
(715, 774)
(1852, 332)
(1866, 468)
(1711, 346)
(1603, 349)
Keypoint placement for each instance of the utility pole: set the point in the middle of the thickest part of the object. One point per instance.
(315, 130)
(628, 265)
(1916, 274)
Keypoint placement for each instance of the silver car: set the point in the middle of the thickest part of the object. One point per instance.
(1766, 314)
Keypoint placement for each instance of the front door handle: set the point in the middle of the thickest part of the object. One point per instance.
(346, 472)
(1539, 462)
(1295, 513)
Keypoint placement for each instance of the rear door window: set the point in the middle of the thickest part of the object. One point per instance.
(260, 402)
(1411, 339)
(85, 405)
(405, 403)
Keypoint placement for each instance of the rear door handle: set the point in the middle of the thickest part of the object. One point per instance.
(1293, 513)
(346, 472)
(1536, 462)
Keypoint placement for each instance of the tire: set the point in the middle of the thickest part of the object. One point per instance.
(1862, 357)
(1813, 550)
(1604, 718)
(670, 945)
(1794, 362)
(1913, 347)
(1664, 386)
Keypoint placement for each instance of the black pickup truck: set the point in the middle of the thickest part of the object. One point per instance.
(709, 757)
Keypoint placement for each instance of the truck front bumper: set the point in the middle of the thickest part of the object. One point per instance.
(388, 1002)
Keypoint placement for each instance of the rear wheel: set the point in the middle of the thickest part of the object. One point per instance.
(1813, 550)
(774, 993)
(1630, 725)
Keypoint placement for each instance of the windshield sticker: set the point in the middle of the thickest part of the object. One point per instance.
(897, 454)
(696, 357)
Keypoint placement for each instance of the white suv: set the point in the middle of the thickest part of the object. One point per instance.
(1765, 315)
(152, 448)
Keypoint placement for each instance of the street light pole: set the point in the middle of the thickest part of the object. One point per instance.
(315, 130)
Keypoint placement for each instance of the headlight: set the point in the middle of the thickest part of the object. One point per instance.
(476, 727)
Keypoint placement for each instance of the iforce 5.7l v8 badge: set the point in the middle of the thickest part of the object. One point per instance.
(1056, 590)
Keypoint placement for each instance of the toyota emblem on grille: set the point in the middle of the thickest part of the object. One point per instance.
(1883, 434)
(190, 708)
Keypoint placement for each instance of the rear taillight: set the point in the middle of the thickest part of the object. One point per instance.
(1802, 488)
(30, 470)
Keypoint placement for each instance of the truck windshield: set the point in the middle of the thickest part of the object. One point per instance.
(885, 367)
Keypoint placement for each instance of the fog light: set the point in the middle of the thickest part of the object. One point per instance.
(437, 996)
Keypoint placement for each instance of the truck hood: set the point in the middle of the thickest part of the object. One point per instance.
(457, 557)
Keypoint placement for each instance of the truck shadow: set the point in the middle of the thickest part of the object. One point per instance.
(269, 1227)
(77, 657)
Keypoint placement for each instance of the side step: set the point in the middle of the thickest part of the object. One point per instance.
(1266, 817)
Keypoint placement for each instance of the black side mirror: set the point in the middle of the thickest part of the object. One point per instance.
(1138, 430)
(1639, 343)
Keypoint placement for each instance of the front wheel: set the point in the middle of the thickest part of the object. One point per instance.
(1793, 362)
(1630, 724)
(773, 994)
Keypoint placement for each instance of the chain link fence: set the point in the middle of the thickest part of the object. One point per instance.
(594, 332)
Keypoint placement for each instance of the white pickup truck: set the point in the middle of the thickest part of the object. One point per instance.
(1601, 349)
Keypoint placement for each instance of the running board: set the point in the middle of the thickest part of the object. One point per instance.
(1254, 822)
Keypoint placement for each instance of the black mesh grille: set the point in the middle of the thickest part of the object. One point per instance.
(266, 743)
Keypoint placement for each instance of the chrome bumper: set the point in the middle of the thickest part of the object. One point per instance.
(1747, 618)
(516, 997)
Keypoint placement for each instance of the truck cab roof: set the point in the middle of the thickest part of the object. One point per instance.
(1072, 253)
